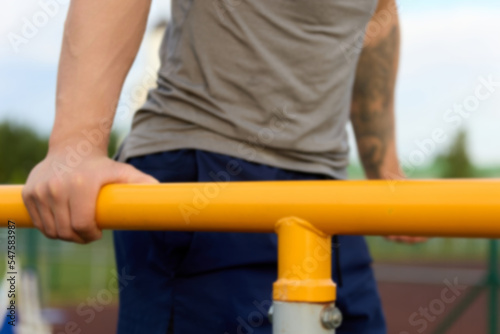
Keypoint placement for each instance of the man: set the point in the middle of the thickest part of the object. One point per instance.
(248, 90)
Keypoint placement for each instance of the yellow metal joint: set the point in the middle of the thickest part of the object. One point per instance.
(304, 263)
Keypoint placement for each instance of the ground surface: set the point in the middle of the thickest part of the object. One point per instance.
(405, 291)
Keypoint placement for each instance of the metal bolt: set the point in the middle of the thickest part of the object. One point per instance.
(331, 317)
(270, 314)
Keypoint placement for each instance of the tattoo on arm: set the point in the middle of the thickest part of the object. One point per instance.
(372, 107)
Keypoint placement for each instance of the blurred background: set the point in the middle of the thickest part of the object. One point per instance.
(449, 48)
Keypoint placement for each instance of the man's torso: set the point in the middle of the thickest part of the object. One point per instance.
(266, 81)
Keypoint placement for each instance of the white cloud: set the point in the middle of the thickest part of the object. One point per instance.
(443, 54)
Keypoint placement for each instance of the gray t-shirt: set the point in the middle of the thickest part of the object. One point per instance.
(268, 81)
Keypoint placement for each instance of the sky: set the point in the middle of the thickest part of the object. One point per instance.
(450, 62)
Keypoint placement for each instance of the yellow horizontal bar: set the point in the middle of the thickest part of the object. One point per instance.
(468, 208)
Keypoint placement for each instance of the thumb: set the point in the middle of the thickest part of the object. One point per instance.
(124, 173)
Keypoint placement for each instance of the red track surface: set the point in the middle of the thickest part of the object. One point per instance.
(400, 301)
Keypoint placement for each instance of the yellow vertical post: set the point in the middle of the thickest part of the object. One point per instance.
(304, 294)
(304, 263)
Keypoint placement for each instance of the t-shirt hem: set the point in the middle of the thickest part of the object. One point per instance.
(227, 147)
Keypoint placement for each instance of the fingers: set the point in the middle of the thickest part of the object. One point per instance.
(82, 209)
(124, 173)
(30, 205)
(49, 210)
(47, 199)
(406, 239)
(82, 204)
(49, 227)
(41, 215)
(59, 205)
(64, 207)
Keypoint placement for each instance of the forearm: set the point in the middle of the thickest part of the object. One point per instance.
(372, 111)
(100, 42)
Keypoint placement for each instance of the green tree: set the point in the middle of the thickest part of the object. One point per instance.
(21, 148)
(455, 163)
(113, 143)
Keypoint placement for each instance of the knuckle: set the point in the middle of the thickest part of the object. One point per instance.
(66, 235)
(39, 191)
(37, 225)
(77, 179)
(26, 194)
(82, 227)
(94, 238)
(29, 201)
(54, 187)
(50, 233)
(85, 240)
(29, 192)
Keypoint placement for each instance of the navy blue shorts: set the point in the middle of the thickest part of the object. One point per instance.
(221, 283)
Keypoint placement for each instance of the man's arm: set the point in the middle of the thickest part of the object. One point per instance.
(101, 39)
(372, 111)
